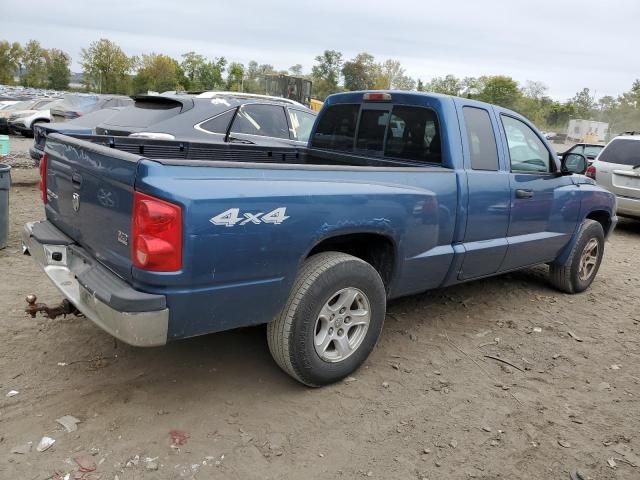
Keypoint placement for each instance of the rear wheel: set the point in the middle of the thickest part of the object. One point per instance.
(578, 272)
(332, 320)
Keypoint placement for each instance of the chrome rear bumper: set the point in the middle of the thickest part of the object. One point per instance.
(136, 318)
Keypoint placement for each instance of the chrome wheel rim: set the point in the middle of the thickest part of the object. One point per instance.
(589, 259)
(342, 325)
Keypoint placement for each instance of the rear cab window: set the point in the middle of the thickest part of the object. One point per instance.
(481, 138)
(621, 151)
(385, 130)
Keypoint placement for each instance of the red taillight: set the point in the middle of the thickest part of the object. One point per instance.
(156, 232)
(376, 97)
(591, 172)
(43, 178)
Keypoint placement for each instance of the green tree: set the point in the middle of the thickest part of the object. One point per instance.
(235, 77)
(106, 67)
(360, 72)
(209, 75)
(191, 65)
(58, 70)
(34, 61)
(10, 57)
(448, 85)
(390, 75)
(499, 90)
(296, 70)
(157, 72)
(583, 103)
(326, 73)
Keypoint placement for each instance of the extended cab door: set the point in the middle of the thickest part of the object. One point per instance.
(544, 204)
(485, 237)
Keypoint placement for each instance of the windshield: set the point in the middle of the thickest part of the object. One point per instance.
(592, 151)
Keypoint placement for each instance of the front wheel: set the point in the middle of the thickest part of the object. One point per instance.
(578, 272)
(332, 320)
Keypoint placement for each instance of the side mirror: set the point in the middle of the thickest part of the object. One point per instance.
(573, 163)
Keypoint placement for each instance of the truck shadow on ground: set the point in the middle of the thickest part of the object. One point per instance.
(239, 360)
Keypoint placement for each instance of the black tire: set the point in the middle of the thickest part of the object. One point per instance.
(291, 334)
(566, 277)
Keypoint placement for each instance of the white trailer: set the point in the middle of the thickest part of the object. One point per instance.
(587, 131)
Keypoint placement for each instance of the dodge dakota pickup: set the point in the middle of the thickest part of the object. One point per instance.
(396, 193)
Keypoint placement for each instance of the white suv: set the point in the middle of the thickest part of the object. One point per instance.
(617, 168)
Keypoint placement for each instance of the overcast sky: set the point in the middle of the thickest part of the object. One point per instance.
(567, 44)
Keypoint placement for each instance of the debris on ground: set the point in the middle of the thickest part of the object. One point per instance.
(537, 329)
(151, 463)
(612, 463)
(45, 443)
(492, 357)
(86, 463)
(574, 336)
(178, 437)
(69, 422)
(12, 393)
(630, 457)
(22, 449)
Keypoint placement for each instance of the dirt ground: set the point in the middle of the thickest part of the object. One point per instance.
(427, 404)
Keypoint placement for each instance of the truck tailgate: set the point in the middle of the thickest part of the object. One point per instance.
(90, 197)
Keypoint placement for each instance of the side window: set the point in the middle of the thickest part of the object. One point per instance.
(577, 149)
(527, 152)
(219, 123)
(413, 134)
(301, 124)
(336, 128)
(481, 138)
(263, 120)
(373, 124)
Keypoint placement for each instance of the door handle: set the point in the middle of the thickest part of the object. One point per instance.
(524, 193)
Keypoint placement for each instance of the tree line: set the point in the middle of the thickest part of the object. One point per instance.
(108, 69)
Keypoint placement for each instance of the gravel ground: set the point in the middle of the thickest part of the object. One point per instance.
(428, 403)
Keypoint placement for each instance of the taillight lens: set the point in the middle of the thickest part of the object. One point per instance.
(43, 177)
(591, 172)
(156, 233)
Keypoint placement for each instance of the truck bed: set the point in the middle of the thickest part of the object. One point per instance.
(183, 152)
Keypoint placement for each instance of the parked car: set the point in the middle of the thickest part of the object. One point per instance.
(84, 125)
(589, 150)
(22, 122)
(75, 105)
(19, 108)
(617, 168)
(313, 241)
(214, 117)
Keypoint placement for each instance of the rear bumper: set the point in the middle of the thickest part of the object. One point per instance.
(628, 207)
(137, 318)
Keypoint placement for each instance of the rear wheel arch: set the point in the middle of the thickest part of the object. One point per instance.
(378, 250)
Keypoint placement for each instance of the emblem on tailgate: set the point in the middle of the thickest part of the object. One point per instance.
(123, 238)
(75, 201)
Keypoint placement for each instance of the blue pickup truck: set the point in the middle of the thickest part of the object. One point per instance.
(396, 193)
